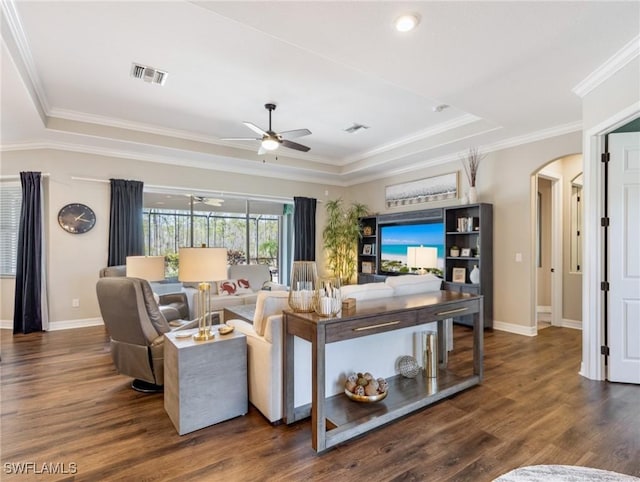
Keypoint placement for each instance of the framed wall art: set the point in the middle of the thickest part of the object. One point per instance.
(367, 267)
(459, 275)
(430, 189)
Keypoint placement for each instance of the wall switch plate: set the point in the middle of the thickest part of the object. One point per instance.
(75, 303)
(518, 257)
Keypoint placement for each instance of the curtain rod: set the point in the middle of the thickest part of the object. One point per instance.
(88, 179)
(17, 176)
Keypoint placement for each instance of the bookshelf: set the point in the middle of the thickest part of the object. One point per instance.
(368, 250)
(470, 229)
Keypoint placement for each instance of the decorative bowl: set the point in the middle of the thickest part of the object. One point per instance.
(366, 398)
(225, 329)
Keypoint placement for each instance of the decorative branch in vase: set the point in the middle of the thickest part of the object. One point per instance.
(471, 164)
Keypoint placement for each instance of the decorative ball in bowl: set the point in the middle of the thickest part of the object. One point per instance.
(363, 387)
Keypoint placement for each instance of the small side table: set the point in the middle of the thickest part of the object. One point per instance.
(205, 382)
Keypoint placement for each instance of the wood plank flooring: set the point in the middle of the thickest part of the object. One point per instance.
(62, 403)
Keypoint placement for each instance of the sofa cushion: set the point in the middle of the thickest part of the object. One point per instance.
(268, 303)
(413, 284)
(271, 286)
(256, 274)
(367, 291)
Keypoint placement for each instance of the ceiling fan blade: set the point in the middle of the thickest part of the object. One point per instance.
(294, 133)
(240, 139)
(255, 128)
(295, 145)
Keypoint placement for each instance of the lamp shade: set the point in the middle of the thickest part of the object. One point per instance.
(421, 257)
(150, 268)
(202, 264)
(426, 257)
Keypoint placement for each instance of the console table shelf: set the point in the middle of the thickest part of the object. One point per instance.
(406, 395)
(335, 419)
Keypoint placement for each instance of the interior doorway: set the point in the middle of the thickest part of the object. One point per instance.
(556, 266)
(548, 270)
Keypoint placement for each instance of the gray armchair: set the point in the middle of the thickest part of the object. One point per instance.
(136, 327)
(174, 306)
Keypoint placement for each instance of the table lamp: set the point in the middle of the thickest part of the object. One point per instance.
(201, 265)
(150, 268)
(422, 258)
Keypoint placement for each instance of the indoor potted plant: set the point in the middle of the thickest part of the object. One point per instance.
(340, 236)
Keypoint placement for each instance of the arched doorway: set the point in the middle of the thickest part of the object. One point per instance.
(558, 284)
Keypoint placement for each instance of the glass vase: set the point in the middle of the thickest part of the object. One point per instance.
(303, 285)
(327, 299)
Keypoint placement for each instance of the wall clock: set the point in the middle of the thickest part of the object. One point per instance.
(76, 218)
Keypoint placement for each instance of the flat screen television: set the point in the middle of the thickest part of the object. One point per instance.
(396, 238)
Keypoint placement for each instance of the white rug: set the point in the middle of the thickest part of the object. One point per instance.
(563, 473)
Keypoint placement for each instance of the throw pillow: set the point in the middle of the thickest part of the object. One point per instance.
(227, 287)
(244, 283)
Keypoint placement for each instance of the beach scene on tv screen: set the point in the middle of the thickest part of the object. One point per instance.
(396, 239)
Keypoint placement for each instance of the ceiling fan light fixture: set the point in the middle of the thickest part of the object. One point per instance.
(406, 23)
(270, 144)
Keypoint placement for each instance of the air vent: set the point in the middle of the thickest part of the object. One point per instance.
(356, 128)
(148, 74)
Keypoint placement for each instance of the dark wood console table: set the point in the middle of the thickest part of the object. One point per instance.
(336, 419)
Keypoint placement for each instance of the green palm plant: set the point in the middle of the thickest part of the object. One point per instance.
(340, 236)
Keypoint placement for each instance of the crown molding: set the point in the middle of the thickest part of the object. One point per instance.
(17, 43)
(103, 121)
(425, 134)
(283, 171)
(620, 59)
(212, 163)
(496, 146)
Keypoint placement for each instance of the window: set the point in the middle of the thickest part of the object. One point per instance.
(10, 204)
(252, 231)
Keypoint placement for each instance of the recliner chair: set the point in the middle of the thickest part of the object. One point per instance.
(136, 327)
(174, 306)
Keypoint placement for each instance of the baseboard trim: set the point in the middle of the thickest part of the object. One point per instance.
(573, 324)
(516, 329)
(60, 325)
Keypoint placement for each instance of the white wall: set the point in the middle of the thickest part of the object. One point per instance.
(504, 180)
(75, 260)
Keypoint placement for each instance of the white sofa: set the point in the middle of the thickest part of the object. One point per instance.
(264, 345)
(248, 279)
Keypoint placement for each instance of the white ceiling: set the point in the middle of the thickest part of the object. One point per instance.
(507, 69)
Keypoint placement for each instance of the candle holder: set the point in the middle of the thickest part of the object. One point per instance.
(327, 300)
(303, 283)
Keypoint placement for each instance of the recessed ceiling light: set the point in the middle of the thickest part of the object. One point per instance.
(408, 22)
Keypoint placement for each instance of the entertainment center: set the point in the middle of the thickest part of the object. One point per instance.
(382, 250)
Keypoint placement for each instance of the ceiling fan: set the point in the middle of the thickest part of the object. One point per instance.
(204, 200)
(271, 140)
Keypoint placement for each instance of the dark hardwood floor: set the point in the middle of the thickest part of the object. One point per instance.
(62, 403)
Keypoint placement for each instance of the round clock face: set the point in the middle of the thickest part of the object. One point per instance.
(76, 218)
